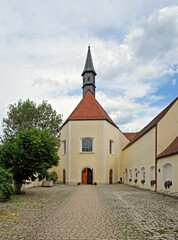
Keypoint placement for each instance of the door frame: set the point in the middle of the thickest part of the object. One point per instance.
(64, 176)
(111, 176)
(80, 173)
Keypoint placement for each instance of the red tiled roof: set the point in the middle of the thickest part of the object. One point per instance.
(130, 136)
(170, 150)
(89, 109)
(151, 124)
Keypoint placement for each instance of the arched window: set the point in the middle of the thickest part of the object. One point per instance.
(87, 144)
(136, 173)
(143, 173)
(64, 147)
(111, 146)
(130, 174)
(126, 175)
(167, 172)
(152, 173)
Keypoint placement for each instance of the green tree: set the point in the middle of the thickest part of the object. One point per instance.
(29, 155)
(6, 189)
(26, 115)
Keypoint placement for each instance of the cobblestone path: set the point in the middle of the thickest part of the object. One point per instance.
(89, 212)
(142, 214)
(81, 215)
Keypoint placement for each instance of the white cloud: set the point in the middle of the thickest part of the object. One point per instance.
(174, 82)
(43, 50)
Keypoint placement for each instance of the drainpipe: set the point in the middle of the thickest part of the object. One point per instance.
(156, 134)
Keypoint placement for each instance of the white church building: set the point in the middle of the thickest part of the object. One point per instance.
(95, 151)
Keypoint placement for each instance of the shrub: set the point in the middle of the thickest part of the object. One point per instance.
(153, 182)
(53, 176)
(135, 181)
(6, 188)
(167, 184)
(143, 181)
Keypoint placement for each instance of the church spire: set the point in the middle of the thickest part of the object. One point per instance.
(89, 74)
(89, 63)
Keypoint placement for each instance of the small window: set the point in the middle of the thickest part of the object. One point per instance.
(88, 79)
(111, 146)
(64, 147)
(87, 145)
(143, 173)
(136, 172)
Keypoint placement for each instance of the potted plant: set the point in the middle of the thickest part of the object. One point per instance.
(167, 184)
(130, 180)
(143, 181)
(153, 182)
(135, 181)
(50, 179)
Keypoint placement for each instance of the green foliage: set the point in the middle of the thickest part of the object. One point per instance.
(26, 115)
(167, 184)
(30, 153)
(6, 180)
(53, 176)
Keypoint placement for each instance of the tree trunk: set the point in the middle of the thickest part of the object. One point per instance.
(17, 187)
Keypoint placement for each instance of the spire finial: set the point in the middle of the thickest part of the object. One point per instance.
(89, 45)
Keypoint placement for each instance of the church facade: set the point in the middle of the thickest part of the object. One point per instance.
(95, 151)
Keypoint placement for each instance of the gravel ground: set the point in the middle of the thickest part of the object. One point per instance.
(77, 212)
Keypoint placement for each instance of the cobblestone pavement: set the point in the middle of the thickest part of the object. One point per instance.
(142, 214)
(89, 212)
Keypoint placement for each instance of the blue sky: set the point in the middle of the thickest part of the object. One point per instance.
(134, 46)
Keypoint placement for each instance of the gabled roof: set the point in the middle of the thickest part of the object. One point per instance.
(89, 109)
(130, 136)
(89, 63)
(151, 124)
(170, 150)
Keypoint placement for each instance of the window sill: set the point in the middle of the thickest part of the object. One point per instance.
(87, 152)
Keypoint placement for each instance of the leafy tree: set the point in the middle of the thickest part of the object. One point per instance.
(30, 154)
(26, 115)
(6, 189)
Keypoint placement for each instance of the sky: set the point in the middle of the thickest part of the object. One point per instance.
(134, 46)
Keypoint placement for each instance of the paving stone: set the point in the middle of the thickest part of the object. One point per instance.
(89, 212)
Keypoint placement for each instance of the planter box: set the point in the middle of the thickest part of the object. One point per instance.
(48, 183)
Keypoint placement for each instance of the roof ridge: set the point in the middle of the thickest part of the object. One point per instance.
(89, 109)
(97, 105)
(151, 124)
(171, 149)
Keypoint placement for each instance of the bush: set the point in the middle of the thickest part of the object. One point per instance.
(143, 181)
(6, 188)
(53, 176)
(135, 181)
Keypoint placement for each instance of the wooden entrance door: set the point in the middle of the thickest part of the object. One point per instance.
(84, 176)
(64, 176)
(110, 176)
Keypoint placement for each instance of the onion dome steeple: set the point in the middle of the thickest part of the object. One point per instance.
(88, 75)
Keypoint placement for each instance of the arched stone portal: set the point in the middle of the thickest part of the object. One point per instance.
(87, 176)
